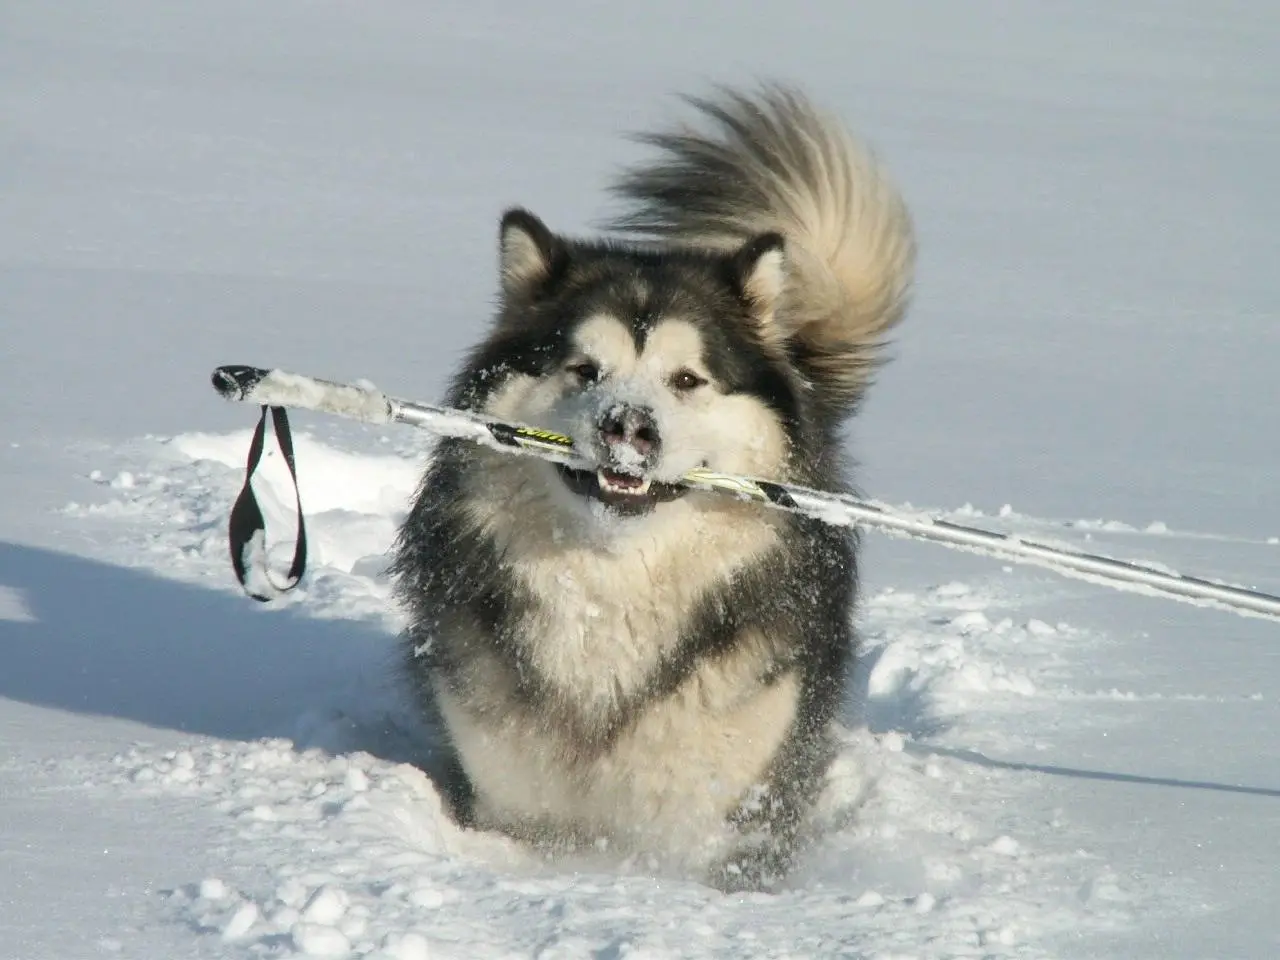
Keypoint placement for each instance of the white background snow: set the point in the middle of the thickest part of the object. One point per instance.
(1034, 767)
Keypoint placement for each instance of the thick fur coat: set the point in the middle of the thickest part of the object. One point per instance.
(615, 661)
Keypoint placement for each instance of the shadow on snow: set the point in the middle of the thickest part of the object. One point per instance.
(105, 640)
(991, 763)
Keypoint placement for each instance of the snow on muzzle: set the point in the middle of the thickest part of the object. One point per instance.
(628, 444)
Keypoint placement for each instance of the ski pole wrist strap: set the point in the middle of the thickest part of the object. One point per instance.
(247, 530)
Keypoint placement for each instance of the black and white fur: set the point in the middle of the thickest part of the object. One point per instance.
(613, 659)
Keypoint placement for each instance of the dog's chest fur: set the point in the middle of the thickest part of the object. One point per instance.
(604, 620)
(607, 612)
(605, 746)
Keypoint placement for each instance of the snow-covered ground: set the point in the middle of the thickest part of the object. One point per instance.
(1034, 767)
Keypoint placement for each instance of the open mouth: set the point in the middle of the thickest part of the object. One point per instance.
(623, 493)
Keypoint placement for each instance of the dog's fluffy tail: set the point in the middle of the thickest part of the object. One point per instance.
(772, 162)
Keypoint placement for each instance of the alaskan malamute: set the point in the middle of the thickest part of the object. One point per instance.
(618, 662)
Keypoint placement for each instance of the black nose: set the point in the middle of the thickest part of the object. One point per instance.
(634, 426)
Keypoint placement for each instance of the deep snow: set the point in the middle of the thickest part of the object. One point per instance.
(1034, 766)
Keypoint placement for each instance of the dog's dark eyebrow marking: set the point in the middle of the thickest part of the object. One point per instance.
(642, 324)
(638, 303)
(647, 301)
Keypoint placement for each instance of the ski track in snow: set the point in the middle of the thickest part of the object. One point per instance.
(913, 860)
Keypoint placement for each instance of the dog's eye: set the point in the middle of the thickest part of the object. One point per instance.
(585, 371)
(686, 380)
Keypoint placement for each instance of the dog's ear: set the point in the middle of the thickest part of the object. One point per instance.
(529, 253)
(760, 275)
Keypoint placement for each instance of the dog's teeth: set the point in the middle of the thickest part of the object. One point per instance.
(637, 490)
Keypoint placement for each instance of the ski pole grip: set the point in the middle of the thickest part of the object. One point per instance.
(235, 381)
(278, 388)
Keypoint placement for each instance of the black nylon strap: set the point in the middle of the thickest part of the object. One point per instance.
(246, 515)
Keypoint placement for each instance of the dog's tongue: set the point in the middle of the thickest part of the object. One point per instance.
(623, 479)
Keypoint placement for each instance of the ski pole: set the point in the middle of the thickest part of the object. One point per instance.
(279, 389)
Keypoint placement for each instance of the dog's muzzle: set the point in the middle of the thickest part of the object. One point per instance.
(628, 445)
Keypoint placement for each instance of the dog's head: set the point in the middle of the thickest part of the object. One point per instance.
(655, 361)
